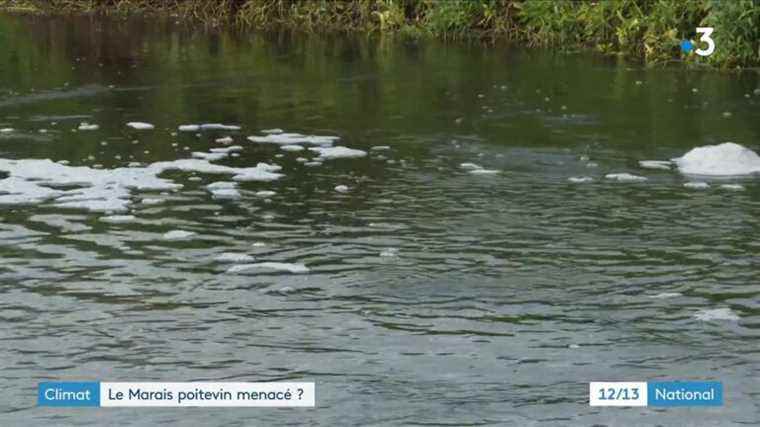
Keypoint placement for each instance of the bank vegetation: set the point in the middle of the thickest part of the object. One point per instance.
(650, 30)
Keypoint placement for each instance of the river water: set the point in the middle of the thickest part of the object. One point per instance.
(423, 292)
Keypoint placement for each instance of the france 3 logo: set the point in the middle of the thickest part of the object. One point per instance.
(687, 45)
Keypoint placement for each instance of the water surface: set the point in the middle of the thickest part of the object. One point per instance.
(434, 296)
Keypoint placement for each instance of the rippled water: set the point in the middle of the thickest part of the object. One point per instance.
(434, 295)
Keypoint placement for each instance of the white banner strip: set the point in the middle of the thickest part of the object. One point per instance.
(617, 394)
(202, 394)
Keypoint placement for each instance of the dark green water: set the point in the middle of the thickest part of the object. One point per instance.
(434, 296)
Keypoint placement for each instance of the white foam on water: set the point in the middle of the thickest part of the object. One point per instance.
(87, 126)
(98, 199)
(262, 172)
(14, 191)
(226, 194)
(178, 235)
(580, 179)
(717, 314)
(733, 187)
(291, 148)
(140, 125)
(65, 223)
(313, 164)
(282, 291)
(265, 193)
(233, 257)
(118, 219)
(189, 128)
(275, 130)
(276, 266)
(218, 126)
(330, 153)
(476, 169)
(484, 171)
(217, 153)
(221, 185)
(625, 177)
(665, 295)
(697, 185)
(230, 149)
(389, 252)
(151, 201)
(225, 140)
(341, 188)
(209, 156)
(294, 139)
(34, 181)
(655, 164)
(6, 130)
(726, 159)
(380, 148)
(224, 190)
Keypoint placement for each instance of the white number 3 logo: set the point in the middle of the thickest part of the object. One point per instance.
(706, 31)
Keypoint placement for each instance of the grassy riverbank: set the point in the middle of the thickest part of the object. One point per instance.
(647, 29)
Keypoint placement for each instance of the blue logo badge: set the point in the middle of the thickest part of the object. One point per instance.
(687, 46)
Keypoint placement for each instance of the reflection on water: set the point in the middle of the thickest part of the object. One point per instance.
(450, 274)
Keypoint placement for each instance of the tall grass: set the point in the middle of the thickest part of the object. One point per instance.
(646, 29)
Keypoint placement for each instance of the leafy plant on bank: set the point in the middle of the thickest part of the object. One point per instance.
(647, 29)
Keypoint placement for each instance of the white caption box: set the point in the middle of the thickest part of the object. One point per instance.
(617, 394)
(202, 394)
